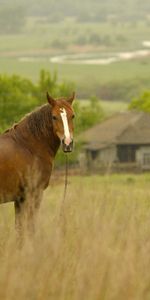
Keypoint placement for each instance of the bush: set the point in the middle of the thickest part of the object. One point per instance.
(142, 103)
(19, 95)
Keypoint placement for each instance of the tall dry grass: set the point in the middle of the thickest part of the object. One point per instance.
(103, 254)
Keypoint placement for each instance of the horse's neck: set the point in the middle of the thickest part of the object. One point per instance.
(37, 140)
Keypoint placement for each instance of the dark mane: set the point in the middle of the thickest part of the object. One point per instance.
(38, 121)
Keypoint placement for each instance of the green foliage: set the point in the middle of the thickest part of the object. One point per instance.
(117, 81)
(142, 103)
(89, 115)
(66, 88)
(49, 82)
(19, 95)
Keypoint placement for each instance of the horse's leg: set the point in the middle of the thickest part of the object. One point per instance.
(32, 211)
(30, 220)
(19, 219)
(26, 211)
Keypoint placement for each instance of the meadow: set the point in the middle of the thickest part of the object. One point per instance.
(95, 245)
(28, 52)
(38, 34)
(103, 252)
(118, 81)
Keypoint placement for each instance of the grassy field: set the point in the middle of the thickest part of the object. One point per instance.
(41, 41)
(80, 74)
(104, 252)
(71, 35)
(109, 107)
(89, 79)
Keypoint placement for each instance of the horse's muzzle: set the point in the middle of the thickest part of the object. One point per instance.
(67, 148)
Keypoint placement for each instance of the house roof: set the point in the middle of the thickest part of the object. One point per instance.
(124, 128)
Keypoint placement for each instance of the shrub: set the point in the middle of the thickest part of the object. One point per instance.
(142, 103)
(19, 95)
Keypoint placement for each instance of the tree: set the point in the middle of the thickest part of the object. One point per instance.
(17, 97)
(142, 103)
(47, 82)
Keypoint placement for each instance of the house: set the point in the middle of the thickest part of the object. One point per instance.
(121, 142)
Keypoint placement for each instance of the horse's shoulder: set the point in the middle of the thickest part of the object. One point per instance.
(9, 149)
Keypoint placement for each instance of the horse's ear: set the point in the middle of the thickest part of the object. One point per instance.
(51, 101)
(70, 99)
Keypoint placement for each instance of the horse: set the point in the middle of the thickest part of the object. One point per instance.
(27, 152)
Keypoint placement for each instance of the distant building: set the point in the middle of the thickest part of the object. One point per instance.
(120, 143)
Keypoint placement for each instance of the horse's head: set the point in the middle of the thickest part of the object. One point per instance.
(62, 120)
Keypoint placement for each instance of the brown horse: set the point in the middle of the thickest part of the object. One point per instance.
(27, 152)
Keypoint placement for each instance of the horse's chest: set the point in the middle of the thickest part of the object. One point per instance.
(45, 169)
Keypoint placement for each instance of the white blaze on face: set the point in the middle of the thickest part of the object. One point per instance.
(65, 125)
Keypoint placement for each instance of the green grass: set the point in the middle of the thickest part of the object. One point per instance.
(102, 254)
(37, 41)
(88, 79)
(38, 35)
(111, 107)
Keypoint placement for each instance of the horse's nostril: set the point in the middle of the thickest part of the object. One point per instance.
(71, 144)
(67, 148)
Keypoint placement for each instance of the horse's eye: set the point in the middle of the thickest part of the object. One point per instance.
(73, 116)
(54, 117)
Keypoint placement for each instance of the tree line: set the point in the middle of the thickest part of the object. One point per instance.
(20, 95)
(13, 15)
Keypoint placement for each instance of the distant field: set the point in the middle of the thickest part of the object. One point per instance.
(81, 74)
(27, 53)
(88, 79)
(104, 252)
(72, 37)
(111, 107)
